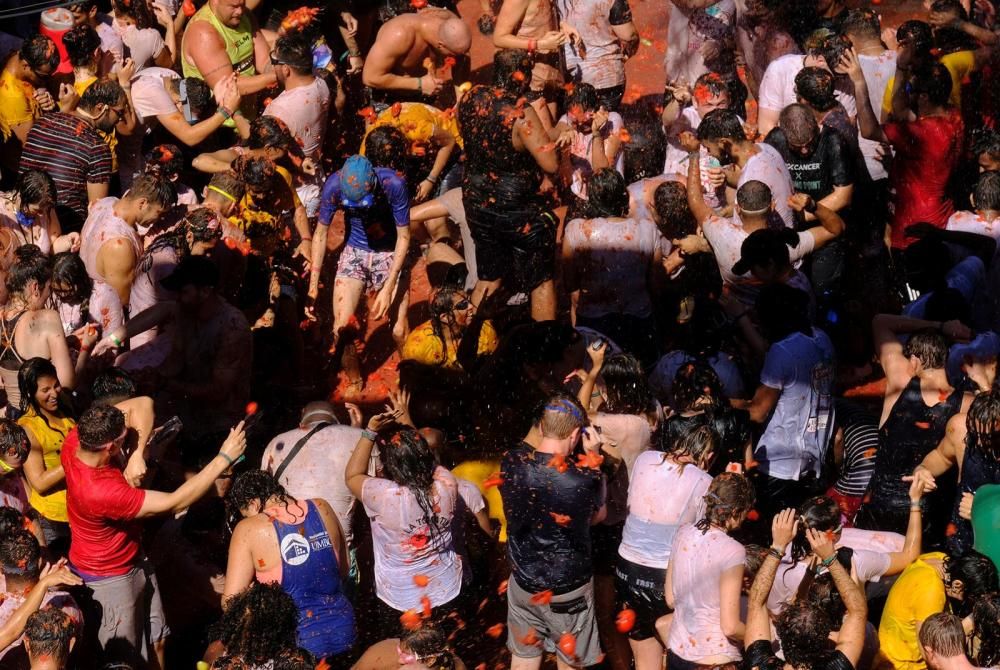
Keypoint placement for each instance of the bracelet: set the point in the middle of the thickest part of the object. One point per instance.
(915, 507)
(369, 435)
(226, 456)
(829, 561)
(226, 114)
(84, 347)
(116, 340)
(420, 84)
(307, 239)
(532, 45)
(431, 179)
(771, 551)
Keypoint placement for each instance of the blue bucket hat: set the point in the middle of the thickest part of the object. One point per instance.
(982, 348)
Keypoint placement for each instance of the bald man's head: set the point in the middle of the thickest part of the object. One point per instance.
(454, 37)
(317, 411)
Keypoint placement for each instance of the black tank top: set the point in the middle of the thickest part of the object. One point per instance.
(911, 431)
(978, 469)
(497, 176)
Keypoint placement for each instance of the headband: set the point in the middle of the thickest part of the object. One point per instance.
(221, 192)
(565, 407)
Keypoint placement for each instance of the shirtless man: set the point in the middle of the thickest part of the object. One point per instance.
(223, 39)
(396, 63)
(532, 25)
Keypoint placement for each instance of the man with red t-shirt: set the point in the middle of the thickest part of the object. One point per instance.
(104, 513)
(926, 134)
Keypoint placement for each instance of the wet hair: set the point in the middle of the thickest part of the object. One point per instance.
(930, 348)
(28, 378)
(934, 80)
(830, 46)
(730, 496)
(441, 306)
(823, 595)
(803, 630)
(429, 643)
(754, 196)
(270, 132)
(30, 264)
(982, 424)
(986, 629)
(258, 624)
(798, 124)
(35, 187)
(13, 436)
(229, 182)
(102, 92)
(12, 520)
(113, 384)
(721, 124)
(100, 425)
(694, 381)
(942, 632)
(559, 415)
(918, 33)
(754, 558)
(512, 70)
(696, 442)
(820, 514)
(156, 190)
(647, 150)
(69, 270)
(20, 555)
(294, 659)
(256, 172)
(947, 39)
(625, 386)
(295, 51)
(165, 161)
(709, 85)
(606, 193)
(987, 193)
(671, 205)
(203, 224)
(255, 485)
(815, 86)
(783, 310)
(81, 42)
(387, 147)
(139, 11)
(408, 461)
(986, 141)
(977, 574)
(39, 51)
(49, 632)
(863, 22)
(585, 96)
(200, 98)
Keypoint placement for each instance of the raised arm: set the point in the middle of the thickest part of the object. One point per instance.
(51, 578)
(783, 529)
(886, 329)
(529, 131)
(851, 640)
(868, 119)
(898, 560)
(695, 197)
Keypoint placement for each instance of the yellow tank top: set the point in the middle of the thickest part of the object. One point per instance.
(239, 44)
(50, 436)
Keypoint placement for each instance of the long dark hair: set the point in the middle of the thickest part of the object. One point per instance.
(625, 386)
(986, 628)
(982, 424)
(257, 485)
(441, 307)
(408, 461)
(820, 514)
(32, 370)
(68, 269)
(30, 264)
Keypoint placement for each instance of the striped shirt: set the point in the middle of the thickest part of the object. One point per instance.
(72, 152)
(860, 447)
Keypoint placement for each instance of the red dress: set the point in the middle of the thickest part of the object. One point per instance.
(927, 151)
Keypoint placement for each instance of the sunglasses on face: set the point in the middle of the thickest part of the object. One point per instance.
(462, 305)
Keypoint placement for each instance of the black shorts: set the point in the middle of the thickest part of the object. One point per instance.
(640, 589)
(517, 246)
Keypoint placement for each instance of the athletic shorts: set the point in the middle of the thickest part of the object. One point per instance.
(129, 613)
(534, 629)
(640, 589)
(371, 268)
(515, 246)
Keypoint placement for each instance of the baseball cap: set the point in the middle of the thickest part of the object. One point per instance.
(761, 246)
(196, 271)
(357, 178)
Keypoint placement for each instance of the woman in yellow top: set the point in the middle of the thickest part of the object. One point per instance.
(437, 341)
(428, 129)
(46, 420)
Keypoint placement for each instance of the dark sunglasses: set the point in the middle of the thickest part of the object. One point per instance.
(461, 305)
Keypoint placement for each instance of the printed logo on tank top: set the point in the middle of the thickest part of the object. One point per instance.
(295, 549)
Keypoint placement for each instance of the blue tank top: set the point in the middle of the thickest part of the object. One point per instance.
(311, 576)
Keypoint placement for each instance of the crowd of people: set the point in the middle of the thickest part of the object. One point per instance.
(320, 348)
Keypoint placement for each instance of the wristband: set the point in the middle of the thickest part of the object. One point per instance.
(307, 239)
(827, 562)
(84, 347)
(226, 114)
(369, 435)
(226, 456)
(771, 551)
(431, 179)
(532, 45)
(117, 341)
(420, 85)
(915, 507)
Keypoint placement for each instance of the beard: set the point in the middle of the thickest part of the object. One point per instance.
(104, 125)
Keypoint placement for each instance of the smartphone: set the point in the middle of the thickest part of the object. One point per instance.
(597, 344)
